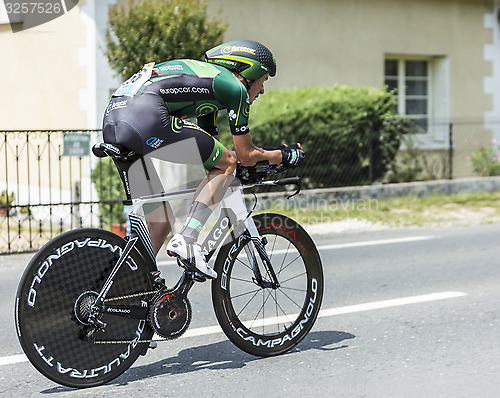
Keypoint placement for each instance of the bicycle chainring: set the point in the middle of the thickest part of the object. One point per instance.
(170, 314)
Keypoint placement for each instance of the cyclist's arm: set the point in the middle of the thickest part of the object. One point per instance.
(248, 154)
(234, 96)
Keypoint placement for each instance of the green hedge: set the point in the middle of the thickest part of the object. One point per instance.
(350, 135)
(110, 190)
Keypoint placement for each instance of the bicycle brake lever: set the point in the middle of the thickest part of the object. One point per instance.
(299, 186)
(291, 180)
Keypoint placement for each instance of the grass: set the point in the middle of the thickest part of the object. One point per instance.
(432, 211)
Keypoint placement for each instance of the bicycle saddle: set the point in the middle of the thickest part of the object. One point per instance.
(114, 151)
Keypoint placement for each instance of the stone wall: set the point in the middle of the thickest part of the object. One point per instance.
(319, 197)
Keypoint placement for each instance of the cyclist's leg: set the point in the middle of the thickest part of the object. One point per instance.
(147, 128)
(125, 125)
(220, 165)
(143, 180)
(213, 187)
(160, 222)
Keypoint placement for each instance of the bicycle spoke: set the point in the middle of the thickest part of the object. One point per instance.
(289, 298)
(272, 249)
(276, 306)
(294, 289)
(243, 280)
(261, 308)
(281, 308)
(249, 301)
(245, 264)
(293, 277)
(284, 258)
(245, 294)
(290, 263)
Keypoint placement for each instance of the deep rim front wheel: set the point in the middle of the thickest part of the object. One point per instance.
(266, 321)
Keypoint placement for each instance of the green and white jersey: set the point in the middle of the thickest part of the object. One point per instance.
(199, 89)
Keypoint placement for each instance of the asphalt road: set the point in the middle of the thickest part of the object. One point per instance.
(406, 313)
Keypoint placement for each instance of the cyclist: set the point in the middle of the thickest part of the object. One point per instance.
(147, 113)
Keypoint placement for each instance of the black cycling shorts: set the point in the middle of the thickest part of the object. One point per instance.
(143, 124)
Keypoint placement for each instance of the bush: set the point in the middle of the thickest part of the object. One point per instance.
(6, 201)
(158, 30)
(407, 166)
(486, 161)
(110, 189)
(350, 135)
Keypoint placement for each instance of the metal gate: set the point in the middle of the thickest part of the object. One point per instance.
(46, 187)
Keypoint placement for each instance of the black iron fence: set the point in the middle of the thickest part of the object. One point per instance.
(46, 184)
(46, 187)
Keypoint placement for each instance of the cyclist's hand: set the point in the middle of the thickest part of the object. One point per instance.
(292, 155)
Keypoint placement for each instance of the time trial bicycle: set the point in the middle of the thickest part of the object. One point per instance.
(90, 302)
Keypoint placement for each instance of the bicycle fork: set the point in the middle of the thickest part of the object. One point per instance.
(259, 244)
(234, 203)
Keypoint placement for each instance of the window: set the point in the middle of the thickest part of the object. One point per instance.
(410, 78)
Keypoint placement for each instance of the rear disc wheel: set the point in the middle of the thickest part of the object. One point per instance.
(53, 304)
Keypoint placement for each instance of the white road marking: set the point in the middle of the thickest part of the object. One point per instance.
(203, 331)
(375, 242)
(344, 245)
(10, 360)
(389, 303)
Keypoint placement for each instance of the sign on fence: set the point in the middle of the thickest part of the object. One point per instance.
(76, 144)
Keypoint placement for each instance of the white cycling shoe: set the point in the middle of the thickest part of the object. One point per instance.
(190, 255)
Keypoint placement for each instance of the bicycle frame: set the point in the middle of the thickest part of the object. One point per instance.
(62, 335)
(233, 222)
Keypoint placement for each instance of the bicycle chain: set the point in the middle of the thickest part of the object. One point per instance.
(129, 341)
(130, 296)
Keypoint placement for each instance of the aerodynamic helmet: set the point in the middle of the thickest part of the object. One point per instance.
(249, 58)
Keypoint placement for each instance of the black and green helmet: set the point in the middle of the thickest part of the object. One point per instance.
(249, 58)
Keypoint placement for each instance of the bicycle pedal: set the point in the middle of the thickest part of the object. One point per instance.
(198, 277)
(193, 273)
(181, 264)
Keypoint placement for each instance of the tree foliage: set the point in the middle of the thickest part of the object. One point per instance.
(158, 30)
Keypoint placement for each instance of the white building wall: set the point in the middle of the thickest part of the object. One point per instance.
(492, 83)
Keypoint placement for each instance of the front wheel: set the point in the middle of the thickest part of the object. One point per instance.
(266, 321)
(53, 303)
